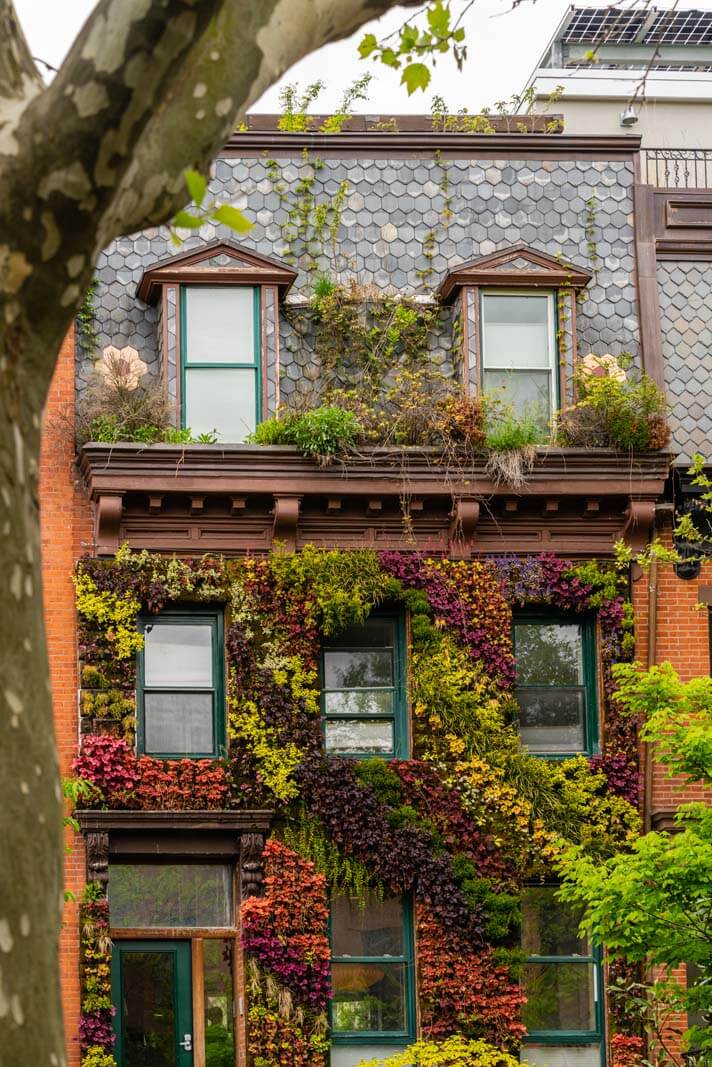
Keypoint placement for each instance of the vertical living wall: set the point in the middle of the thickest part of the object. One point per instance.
(458, 828)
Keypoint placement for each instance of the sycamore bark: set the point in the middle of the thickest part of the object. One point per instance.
(149, 88)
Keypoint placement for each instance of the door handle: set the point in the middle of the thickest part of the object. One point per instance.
(187, 1042)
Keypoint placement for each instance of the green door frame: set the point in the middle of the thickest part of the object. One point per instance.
(182, 992)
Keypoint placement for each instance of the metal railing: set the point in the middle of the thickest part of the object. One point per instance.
(678, 168)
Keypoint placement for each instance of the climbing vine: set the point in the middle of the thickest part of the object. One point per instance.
(87, 329)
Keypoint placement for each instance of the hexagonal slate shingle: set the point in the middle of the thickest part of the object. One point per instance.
(493, 203)
(686, 310)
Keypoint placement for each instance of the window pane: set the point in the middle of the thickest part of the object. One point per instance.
(374, 633)
(551, 720)
(550, 926)
(368, 997)
(562, 1055)
(219, 1030)
(516, 332)
(148, 1011)
(529, 392)
(178, 723)
(219, 325)
(549, 654)
(363, 702)
(358, 735)
(178, 656)
(376, 930)
(355, 670)
(158, 895)
(560, 996)
(221, 402)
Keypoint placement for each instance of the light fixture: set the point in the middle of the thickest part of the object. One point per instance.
(629, 117)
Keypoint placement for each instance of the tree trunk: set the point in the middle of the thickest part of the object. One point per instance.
(30, 808)
(150, 88)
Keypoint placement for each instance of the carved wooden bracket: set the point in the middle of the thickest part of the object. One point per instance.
(639, 517)
(97, 851)
(464, 518)
(286, 519)
(251, 846)
(107, 523)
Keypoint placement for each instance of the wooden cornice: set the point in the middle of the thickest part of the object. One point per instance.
(404, 143)
(283, 470)
(256, 498)
(682, 222)
(497, 269)
(99, 821)
(247, 267)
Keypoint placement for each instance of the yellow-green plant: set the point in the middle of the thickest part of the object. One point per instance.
(456, 1051)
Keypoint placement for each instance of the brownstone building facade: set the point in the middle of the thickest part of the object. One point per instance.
(544, 245)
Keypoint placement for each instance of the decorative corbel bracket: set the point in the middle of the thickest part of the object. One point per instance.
(286, 520)
(107, 523)
(97, 853)
(639, 517)
(251, 846)
(465, 515)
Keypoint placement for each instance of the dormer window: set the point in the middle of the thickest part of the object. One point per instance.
(517, 309)
(220, 360)
(519, 350)
(219, 335)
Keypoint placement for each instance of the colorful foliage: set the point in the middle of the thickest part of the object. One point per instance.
(96, 1035)
(460, 826)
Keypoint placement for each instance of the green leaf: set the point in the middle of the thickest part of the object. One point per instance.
(415, 76)
(186, 221)
(197, 186)
(439, 19)
(459, 34)
(232, 217)
(408, 38)
(368, 45)
(389, 57)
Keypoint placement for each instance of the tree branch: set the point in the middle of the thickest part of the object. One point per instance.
(19, 77)
(149, 88)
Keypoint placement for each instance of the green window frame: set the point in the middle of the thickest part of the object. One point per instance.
(586, 687)
(396, 693)
(404, 961)
(592, 958)
(213, 619)
(220, 366)
(553, 355)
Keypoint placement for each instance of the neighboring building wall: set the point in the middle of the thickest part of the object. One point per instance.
(661, 123)
(66, 535)
(686, 322)
(392, 210)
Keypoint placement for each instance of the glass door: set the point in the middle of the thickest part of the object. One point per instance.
(151, 987)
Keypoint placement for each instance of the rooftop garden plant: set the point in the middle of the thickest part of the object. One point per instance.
(617, 407)
(123, 402)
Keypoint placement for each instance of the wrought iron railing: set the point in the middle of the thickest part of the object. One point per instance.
(678, 168)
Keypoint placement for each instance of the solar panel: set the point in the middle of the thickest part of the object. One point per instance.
(596, 25)
(681, 27)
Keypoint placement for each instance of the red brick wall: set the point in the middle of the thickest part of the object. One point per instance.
(66, 534)
(682, 638)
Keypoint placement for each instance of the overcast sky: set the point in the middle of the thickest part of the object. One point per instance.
(503, 46)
